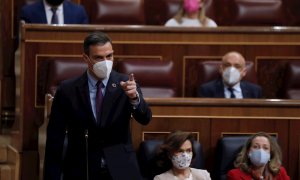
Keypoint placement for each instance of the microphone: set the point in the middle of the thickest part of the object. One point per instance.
(86, 135)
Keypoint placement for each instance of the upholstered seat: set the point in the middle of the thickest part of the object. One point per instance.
(226, 152)
(147, 154)
(129, 12)
(60, 70)
(291, 83)
(157, 78)
(256, 12)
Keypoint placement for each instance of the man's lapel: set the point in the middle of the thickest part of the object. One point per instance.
(83, 93)
(41, 12)
(220, 89)
(113, 91)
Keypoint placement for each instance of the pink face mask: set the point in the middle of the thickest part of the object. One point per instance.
(191, 6)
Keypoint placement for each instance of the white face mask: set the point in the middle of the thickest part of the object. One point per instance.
(259, 157)
(182, 160)
(231, 76)
(103, 69)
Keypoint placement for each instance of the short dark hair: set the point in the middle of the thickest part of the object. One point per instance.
(171, 144)
(95, 38)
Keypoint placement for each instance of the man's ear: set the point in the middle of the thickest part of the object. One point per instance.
(244, 72)
(85, 58)
(221, 69)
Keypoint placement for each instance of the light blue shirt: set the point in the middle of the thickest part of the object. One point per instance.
(237, 91)
(93, 90)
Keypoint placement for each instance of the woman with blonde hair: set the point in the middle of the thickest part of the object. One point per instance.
(259, 159)
(191, 14)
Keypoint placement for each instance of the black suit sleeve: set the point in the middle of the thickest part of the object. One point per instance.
(142, 113)
(56, 131)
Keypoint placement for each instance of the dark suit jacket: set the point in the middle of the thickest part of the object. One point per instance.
(215, 89)
(237, 174)
(35, 13)
(71, 110)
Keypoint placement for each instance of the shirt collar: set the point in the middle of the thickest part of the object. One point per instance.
(236, 87)
(93, 80)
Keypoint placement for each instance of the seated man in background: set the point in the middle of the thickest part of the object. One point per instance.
(54, 12)
(191, 14)
(232, 69)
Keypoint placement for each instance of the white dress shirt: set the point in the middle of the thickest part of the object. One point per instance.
(237, 91)
(59, 12)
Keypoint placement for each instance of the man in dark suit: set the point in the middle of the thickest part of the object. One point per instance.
(42, 12)
(95, 109)
(231, 85)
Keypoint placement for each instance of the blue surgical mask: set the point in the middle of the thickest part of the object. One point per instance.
(259, 157)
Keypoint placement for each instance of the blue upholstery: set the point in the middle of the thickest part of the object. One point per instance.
(227, 150)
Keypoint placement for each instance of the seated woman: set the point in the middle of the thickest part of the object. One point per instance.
(176, 155)
(259, 159)
(191, 14)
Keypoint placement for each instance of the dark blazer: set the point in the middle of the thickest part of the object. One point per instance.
(237, 174)
(71, 110)
(215, 89)
(35, 13)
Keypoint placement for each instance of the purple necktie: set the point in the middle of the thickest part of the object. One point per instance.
(99, 98)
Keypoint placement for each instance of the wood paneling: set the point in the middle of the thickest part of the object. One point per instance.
(208, 117)
(212, 118)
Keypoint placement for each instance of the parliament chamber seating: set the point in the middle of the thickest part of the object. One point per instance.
(60, 70)
(256, 12)
(291, 80)
(227, 149)
(147, 158)
(156, 77)
(117, 12)
(224, 12)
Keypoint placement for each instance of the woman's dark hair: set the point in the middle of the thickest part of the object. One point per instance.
(172, 144)
(95, 38)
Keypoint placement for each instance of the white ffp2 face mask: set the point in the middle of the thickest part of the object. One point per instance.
(182, 160)
(103, 69)
(231, 75)
(259, 157)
